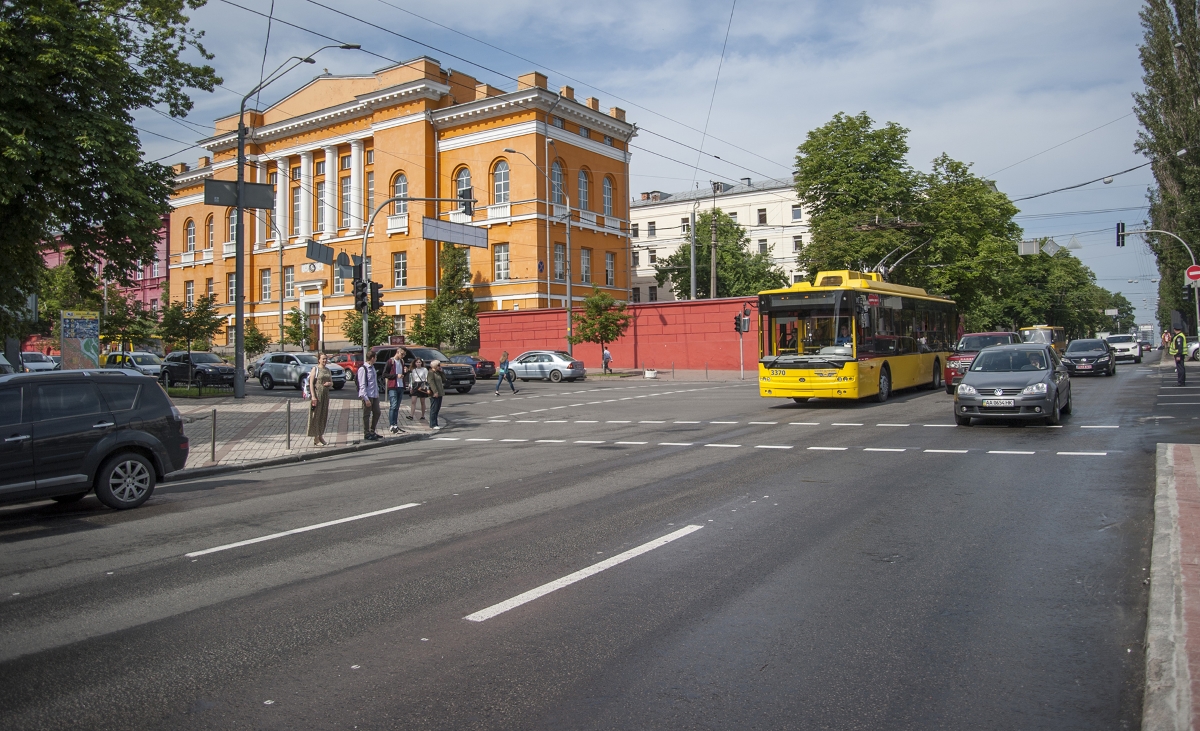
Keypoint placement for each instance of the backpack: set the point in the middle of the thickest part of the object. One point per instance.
(305, 391)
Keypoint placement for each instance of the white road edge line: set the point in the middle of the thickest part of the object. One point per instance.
(544, 589)
(306, 528)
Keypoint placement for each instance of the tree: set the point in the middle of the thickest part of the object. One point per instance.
(739, 272)
(456, 275)
(128, 321)
(1170, 118)
(72, 168)
(254, 340)
(379, 325)
(59, 290)
(603, 321)
(451, 317)
(295, 329)
(180, 324)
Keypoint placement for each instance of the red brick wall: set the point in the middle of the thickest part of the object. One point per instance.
(689, 334)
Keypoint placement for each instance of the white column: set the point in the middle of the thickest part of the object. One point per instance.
(283, 197)
(356, 187)
(260, 217)
(332, 193)
(306, 194)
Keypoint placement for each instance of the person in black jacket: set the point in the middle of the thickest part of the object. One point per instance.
(393, 374)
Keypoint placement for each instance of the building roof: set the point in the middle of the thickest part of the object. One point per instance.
(656, 197)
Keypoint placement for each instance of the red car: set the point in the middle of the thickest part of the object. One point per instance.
(967, 348)
(350, 359)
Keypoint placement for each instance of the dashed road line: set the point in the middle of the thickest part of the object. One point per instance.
(1008, 451)
(828, 449)
(946, 451)
(804, 423)
(1084, 454)
(893, 425)
(514, 440)
(551, 441)
(589, 441)
(629, 442)
(772, 446)
(845, 423)
(304, 529)
(722, 422)
(730, 446)
(675, 444)
(765, 423)
(882, 449)
(478, 439)
(1099, 426)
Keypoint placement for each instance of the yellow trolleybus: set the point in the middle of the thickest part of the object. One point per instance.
(851, 335)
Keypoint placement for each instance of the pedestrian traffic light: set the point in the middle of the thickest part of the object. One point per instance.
(376, 296)
(360, 295)
(1121, 234)
(468, 203)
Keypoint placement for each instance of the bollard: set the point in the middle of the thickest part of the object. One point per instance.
(672, 370)
(212, 444)
(289, 423)
(706, 370)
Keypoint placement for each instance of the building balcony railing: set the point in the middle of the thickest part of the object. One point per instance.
(397, 224)
(560, 211)
(612, 222)
(206, 255)
(587, 217)
(460, 217)
(187, 257)
(500, 210)
(229, 248)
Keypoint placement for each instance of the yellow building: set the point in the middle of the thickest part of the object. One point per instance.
(339, 144)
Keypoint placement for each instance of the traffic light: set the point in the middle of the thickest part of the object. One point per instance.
(1121, 234)
(376, 296)
(468, 204)
(1188, 292)
(360, 295)
(737, 323)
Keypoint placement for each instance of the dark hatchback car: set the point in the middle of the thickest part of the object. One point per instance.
(1090, 357)
(459, 376)
(64, 434)
(204, 369)
(1014, 382)
(484, 369)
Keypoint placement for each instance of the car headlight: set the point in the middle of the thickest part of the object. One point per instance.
(965, 390)
(1034, 390)
(1102, 359)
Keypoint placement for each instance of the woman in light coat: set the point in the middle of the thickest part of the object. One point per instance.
(320, 379)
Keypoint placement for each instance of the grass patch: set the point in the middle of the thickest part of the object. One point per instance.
(198, 393)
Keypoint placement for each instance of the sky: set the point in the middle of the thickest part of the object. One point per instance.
(1035, 95)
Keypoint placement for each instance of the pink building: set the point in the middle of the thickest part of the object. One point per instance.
(149, 280)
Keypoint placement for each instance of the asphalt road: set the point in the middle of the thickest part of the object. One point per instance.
(617, 554)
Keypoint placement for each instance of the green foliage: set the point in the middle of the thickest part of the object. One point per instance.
(200, 323)
(456, 275)
(604, 320)
(379, 326)
(254, 341)
(739, 272)
(74, 72)
(128, 322)
(451, 318)
(295, 329)
(59, 290)
(1170, 123)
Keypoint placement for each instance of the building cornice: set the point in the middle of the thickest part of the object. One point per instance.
(534, 99)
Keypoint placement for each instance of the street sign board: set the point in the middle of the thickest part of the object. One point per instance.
(319, 252)
(454, 233)
(1027, 248)
(1193, 273)
(224, 193)
(1111, 312)
(1051, 247)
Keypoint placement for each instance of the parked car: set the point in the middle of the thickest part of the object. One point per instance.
(290, 369)
(1125, 346)
(1193, 349)
(67, 433)
(554, 365)
(965, 350)
(484, 369)
(57, 360)
(1089, 356)
(35, 361)
(205, 369)
(1014, 382)
(350, 359)
(458, 376)
(253, 366)
(146, 364)
(5, 366)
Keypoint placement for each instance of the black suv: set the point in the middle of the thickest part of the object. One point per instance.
(65, 433)
(204, 369)
(458, 376)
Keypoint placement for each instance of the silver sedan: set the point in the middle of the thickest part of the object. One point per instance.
(554, 365)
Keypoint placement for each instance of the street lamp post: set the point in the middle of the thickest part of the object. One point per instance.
(1196, 298)
(239, 276)
(712, 292)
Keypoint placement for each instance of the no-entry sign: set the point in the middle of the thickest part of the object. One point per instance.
(1193, 273)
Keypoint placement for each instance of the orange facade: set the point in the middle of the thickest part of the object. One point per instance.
(340, 146)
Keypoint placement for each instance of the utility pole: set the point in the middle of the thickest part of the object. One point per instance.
(692, 230)
(712, 292)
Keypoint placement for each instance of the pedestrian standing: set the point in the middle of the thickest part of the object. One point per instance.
(319, 380)
(368, 393)
(1178, 349)
(393, 375)
(606, 359)
(437, 389)
(418, 389)
(502, 369)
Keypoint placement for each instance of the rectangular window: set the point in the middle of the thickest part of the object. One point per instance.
(500, 255)
(797, 278)
(264, 285)
(584, 132)
(231, 287)
(370, 157)
(296, 173)
(210, 290)
(398, 324)
(652, 256)
(651, 231)
(762, 246)
(320, 168)
(608, 140)
(189, 294)
(345, 162)
(346, 202)
(296, 211)
(141, 271)
(339, 284)
(685, 226)
(795, 213)
(637, 258)
(320, 194)
(557, 122)
(637, 294)
(273, 180)
(400, 269)
(733, 215)
(762, 216)
(610, 269)
(154, 270)
(585, 265)
(560, 255)
(797, 243)
(154, 305)
(368, 277)
(370, 195)
(289, 281)
(653, 293)
(633, 230)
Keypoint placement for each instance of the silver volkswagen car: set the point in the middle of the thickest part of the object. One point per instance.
(1014, 382)
(554, 365)
(290, 369)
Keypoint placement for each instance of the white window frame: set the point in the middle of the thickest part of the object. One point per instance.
(289, 282)
(500, 258)
(610, 269)
(500, 183)
(296, 210)
(344, 183)
(606, 190)
(189, 293)
(585, 265)
(189, 230)
(264, 285)
(556, 183)
(400, 188)
(560, 258)
(319, 192)
(399, 269)
(584, 191)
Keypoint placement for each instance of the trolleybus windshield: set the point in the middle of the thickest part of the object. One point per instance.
(813, 328)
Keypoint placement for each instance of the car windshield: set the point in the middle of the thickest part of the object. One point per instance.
(205, 358)
(1120, 339)
(144, 360)
(307, 359)
(979, 342)
(1036, 336)
(428, 354)
(1003, 361)
(35, 358)
(1083, 346)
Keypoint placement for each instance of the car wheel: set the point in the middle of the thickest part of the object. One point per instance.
(885, 385)
(1055, 415)
(513, 376)
(555, 376)
(936, 383)
(74, 498)
(464, 390)
(300, 384)
(1066, 409)
(338, 386)
(266, 381)
(962, 420)
(125, 481)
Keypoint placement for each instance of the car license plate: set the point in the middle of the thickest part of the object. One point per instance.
(998, 402)
(1084, 367)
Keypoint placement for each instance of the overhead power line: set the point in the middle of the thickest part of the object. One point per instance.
(1060, 144)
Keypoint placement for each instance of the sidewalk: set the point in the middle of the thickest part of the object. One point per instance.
(254, 429)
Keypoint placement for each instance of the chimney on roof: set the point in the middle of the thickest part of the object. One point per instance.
(592, 103)
(567, 92)
(179, 168)
(203, 162)
(745, 181)
(483, 91)
(645, 196)
(617, 112)
(531, 80)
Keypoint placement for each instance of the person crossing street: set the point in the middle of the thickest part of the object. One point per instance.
(502, 370)
(368, 393)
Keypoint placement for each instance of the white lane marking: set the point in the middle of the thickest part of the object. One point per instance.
(950, 425)
(535, 421)
(845, 423)
(563, 407)
(891, 424)
(306, 528)
(596, 422)
(478, 439)
(627, 398)
(828, 449)
(626, 421)
(544, 589)
(653, 422)
(629, 442)
(589, 441)
(551, 441)
(802, 423)
(947, 451)
(722, 445)
(526, 412)
(609, 401)
(590, 403)
(762, 423)
(722, 422)
(505, 421)
(687, 422)
(563, 421)
(881, 449)
(1084, 454)
(514, 440)
(574, 405)
(675, 444)
(1097, 426)
(771, 446)
(1008, 451)
(448, 439)
(1179, 403)
(534, 411)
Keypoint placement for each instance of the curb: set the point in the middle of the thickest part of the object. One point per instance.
(197, 472)
(1167, 703)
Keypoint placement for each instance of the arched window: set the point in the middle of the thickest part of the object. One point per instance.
(209, 233)
(399, 188)
(607, 191)
(556, 183)
(231, 222)
(500, 182)
(189, 234)
(583, 194)
(462, 183)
